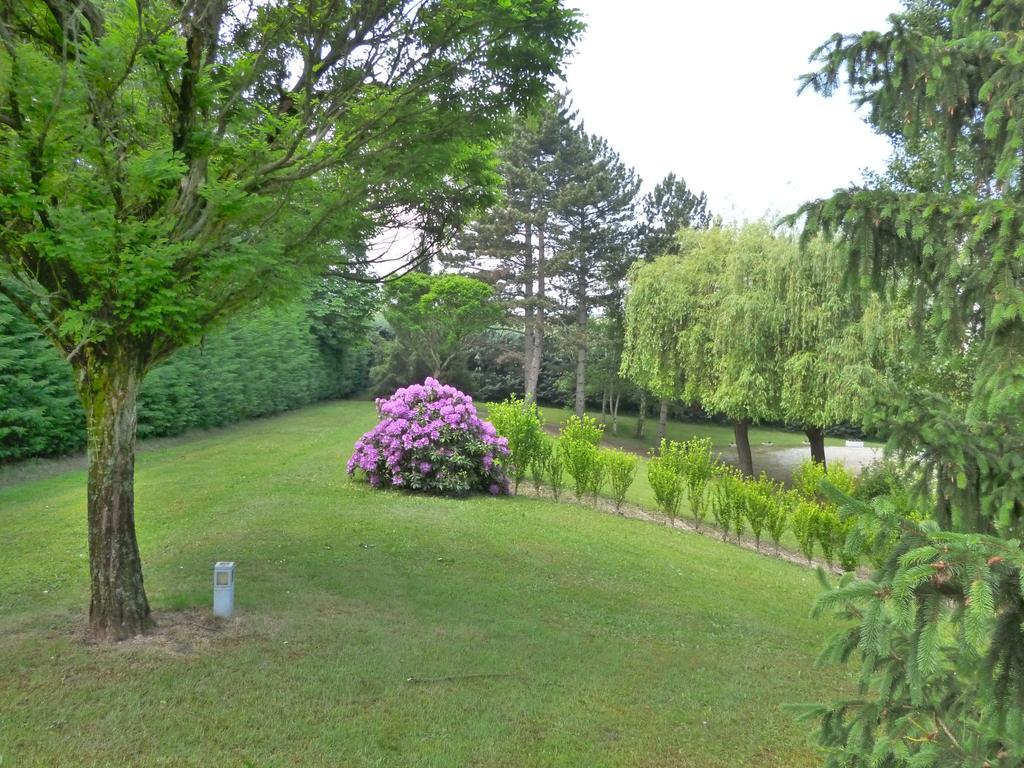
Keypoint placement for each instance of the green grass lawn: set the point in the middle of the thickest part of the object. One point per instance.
(534, 633)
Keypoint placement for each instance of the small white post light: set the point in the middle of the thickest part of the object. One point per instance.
(223, 589)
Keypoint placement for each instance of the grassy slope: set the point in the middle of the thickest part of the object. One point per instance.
(625, 643)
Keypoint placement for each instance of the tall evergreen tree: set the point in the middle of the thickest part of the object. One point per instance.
(39, 411)
(595, 206)
(511, 245)
(939, 627)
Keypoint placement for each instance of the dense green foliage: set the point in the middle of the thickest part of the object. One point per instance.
(165, 165)
(555, 466)
(248, 165)
(621, 470)
(692, 335)
(698, 469)
(817, 519)
(39, 410)
(760, 505)
(938, 628)
(743, 322)
(267, 361)
(433, 320)
(522, 425)
(580, 456)
(585, 429)
(722, 499)
(665, 473)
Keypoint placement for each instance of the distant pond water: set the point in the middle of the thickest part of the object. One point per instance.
(779, 463)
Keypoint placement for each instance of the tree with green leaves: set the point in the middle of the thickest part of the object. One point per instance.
(669, 330)
(937, 628)
(817, 340)
(435, 317)
(604, 361)
(164, 164)
(746, 385)
(695, 333)
(666, 209)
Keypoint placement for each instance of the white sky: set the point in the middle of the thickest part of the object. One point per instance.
(708, 90)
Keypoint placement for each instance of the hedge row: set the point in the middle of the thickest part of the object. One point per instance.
(270, 361)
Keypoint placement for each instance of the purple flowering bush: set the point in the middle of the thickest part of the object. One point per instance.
(431, 439)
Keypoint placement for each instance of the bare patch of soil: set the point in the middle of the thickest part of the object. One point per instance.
(180, 633)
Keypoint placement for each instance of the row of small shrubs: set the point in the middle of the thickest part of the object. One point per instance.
(689, 470)
(574, 457)
(760, 506)
(682, 467)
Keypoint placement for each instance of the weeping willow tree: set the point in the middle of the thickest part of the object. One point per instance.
(938, 630)
(747, 323)
(696, 333)
(663, 329)
(819, 340)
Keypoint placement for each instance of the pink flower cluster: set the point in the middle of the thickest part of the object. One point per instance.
(430, 438)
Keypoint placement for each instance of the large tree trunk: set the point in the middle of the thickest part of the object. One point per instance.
(581, 355)
(529, 313)
(581, 378)
(533, 369)
(663, 419)
(640, 426)
(109, 387)
(741, 430)
(816, 437)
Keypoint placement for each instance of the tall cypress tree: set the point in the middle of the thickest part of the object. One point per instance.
(39, 410)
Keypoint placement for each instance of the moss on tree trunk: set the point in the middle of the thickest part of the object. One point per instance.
(108, 385)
